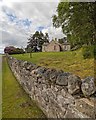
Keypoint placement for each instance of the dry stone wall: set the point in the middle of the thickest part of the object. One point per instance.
(59, 94)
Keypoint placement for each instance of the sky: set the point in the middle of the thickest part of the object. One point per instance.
(19, 19)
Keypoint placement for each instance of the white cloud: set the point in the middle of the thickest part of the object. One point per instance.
(54, 33)
(39, 13)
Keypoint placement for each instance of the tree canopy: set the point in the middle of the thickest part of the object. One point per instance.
(78, 21)
(62, 40)
(13, 50)
(36, 40)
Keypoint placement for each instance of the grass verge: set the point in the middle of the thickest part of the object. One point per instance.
(16, 103)
(0, 87)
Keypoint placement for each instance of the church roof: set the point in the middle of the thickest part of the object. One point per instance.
(65, 43)
(56, 42)
(45, 44)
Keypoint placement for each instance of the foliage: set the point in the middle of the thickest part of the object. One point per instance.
(13, 50)
(86, 52)
(69, 61)
(78, 22)
(95, 52)
(36, 41)
(89, 52)
(14, 97)
(62, 40)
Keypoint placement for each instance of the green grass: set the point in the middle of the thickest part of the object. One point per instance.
(70, 61)
(0, 86)
(16, 103)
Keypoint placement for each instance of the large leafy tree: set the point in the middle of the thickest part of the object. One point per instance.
(13, 50)
(78, 21)
(36, 40)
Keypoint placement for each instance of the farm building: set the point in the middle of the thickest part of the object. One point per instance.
(54, 46)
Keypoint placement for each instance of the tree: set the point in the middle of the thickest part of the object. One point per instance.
(77, 20)
(30, 51)
(13, 50)
(62, 40)
(36, 40)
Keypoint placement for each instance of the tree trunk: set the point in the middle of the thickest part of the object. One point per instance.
(30, 55)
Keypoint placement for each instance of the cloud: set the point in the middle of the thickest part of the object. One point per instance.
(9, 39)
(54, 33)
(20, 19)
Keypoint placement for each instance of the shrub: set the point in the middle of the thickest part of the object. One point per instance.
(12, 50)
(95, 52)
(89, 52)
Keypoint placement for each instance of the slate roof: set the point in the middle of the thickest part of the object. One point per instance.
(55, 42)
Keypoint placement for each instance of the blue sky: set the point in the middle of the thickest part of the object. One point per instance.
(20, 19)
(40, 28)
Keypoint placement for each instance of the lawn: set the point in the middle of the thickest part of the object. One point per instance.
(16, 103)
(0, 86)
(69, 61)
